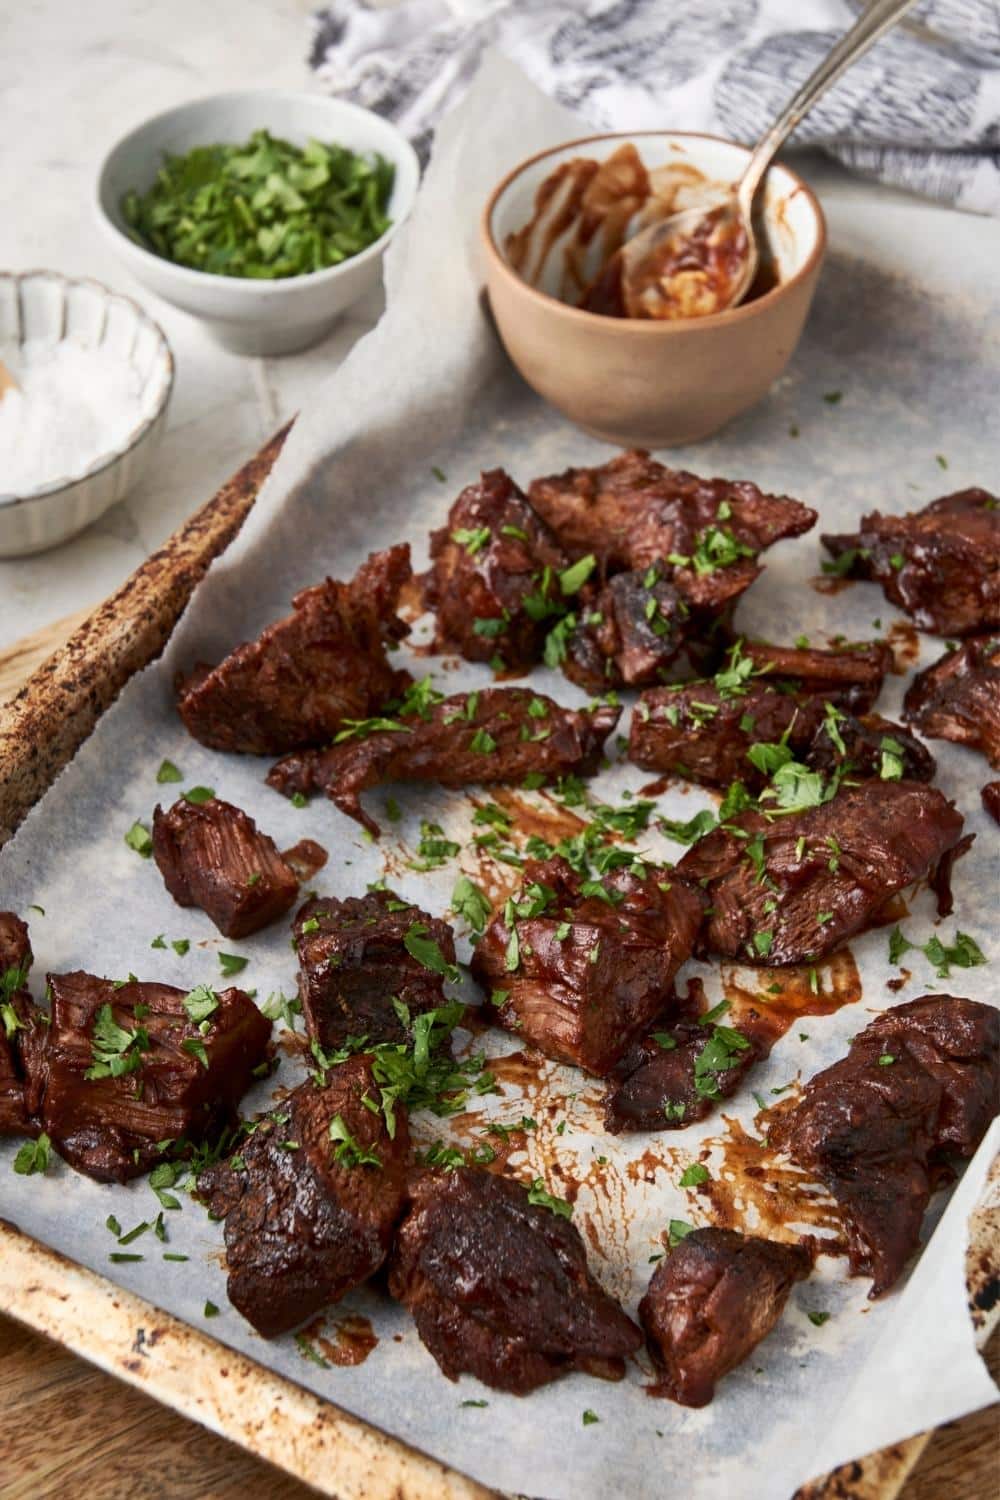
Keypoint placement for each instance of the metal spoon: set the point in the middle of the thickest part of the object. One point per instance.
(662, 266)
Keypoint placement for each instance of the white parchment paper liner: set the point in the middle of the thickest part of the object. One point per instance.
(905, 326)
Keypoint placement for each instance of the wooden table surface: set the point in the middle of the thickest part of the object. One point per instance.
(65, 1425)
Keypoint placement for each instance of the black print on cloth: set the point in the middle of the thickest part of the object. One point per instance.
(641, 42)
(921, 111)
(887, 98)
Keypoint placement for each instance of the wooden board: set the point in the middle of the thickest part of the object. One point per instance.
(77, 1425)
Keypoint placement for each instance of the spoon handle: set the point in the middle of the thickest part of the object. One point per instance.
(876, 19)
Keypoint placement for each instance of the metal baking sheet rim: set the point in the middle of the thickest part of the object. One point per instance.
(310, 1438)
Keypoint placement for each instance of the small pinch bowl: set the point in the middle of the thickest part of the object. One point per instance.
(650, 384)
(48, 308)
(244, 315)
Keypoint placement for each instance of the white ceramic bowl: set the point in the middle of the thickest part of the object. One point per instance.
(249, 316)
(44, 307)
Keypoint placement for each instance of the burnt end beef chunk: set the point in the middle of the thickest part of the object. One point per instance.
(940, 564)
(636, 629)
(958, 698)
(789, 889)
(849, 676)
(127, 1068)
(309, 1215)
(213, 855)
(991, 799)
(307, 673)
(582, 975)
(710, 1302)
(20, 1026)
(921, 1081)
(499, 1287)
(496, 735)
(632, 512)
(494, 575)
(868, 748)
(355, 965)
(677, 1076)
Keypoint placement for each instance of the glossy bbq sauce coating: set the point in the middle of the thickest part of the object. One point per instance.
(499, 1287)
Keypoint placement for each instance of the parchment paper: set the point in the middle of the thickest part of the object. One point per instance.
(905, 327)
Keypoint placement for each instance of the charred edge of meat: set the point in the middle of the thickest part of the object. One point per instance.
(679, 1075)
(21, 1031)
(311, 1201)
(356, 969)
(958, 697)
(920, 1082)
(126, 1068)
(778, 895)
(494, 575)
(212, 855)
(710, 1302)
(581, 977)
(494, 735)
(308, 672)
(941, 564)
(499, 1287)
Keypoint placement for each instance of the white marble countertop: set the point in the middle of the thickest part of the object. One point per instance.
(73, 79)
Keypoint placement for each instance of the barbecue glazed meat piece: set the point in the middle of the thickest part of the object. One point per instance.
(991, 799)
(20, 1026)
(307, 1222)
(495, 735)
(922, 1080)
(635, 630)
(940, 564)
(585, 976)
(212, 855)
(493, 555)
(675, 1077)
(850, 676)
(499, 1287)
(355, 964)
(698, 733)
(309, 673)
(958, 698)
(773, 896)
(710, 1302)
(632, 512)
(175, 1080)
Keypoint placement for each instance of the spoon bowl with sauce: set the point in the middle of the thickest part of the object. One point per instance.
(553, 227)
(695, 263)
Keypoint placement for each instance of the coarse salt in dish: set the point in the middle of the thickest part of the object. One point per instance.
(71, 407)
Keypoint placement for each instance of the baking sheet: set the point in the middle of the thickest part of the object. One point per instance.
(905, 328)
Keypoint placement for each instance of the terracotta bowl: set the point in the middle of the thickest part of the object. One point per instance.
(643, 383)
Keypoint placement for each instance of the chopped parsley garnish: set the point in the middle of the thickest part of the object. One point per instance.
(590, 1417)
(833, 398)
(140, 839)
(491, 628)
(720, 1053)
(197, 795)
(470, 903)
(427, 951)
(196, 1049)
(168, 772)
(434, 849)
(281, 1007)
(33, 1156)
(844, 562)
(891, 763)
(678, 1230)
(538, 1196)
(347, 1151)
(482, 742)
(572, 579)
(472, 539)
(818, 1318)
(116, 1050)
(963, 953)
(200, 1003)
(690, 832)
(360, 729)
(694, 1175)
(211, 1311)
(232, 963)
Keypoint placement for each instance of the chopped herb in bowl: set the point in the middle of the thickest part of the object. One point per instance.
(264, 210)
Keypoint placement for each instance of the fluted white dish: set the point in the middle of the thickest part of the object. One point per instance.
(47, 308)
(243, 314)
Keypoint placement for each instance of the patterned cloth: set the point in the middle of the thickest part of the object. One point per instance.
(921, 110)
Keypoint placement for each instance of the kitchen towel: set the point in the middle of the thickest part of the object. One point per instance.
(920, 111)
